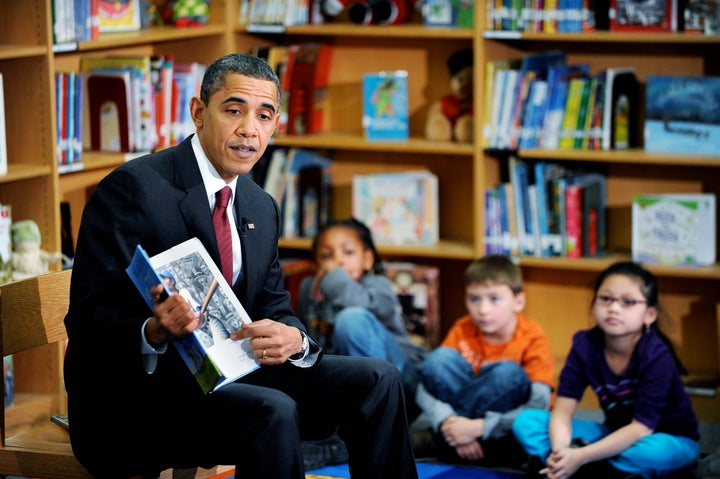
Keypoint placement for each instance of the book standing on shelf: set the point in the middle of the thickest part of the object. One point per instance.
(385, 106)
(6, 251)
(213, 358)
(682, 114)
(398, 207)
(114, 16)
(3, 132)
(674, 229)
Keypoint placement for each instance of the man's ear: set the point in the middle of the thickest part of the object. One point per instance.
(197, 107)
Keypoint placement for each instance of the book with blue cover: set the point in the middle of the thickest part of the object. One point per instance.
(386, 115)
(682, 114)
(187, 269)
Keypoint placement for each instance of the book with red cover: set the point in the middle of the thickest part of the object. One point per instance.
(308, 88)
(573, 221)
(108, 109)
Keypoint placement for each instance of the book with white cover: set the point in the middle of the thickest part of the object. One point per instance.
(212, 357)
(3, 134)
(674, 229)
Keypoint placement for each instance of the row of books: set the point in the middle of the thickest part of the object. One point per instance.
(541, 101)
(76, 20)
(546, 210)
(299, 180)
(124, 104)
(303, 70)
(69, 88)
(572, 16)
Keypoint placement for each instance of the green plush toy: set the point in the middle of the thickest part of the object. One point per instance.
(28, 258)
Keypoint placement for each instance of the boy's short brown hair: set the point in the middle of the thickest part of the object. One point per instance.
(495, 268)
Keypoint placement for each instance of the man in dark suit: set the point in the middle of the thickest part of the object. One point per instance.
(134, 407)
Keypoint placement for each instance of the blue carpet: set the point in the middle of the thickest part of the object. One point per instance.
(425, 471)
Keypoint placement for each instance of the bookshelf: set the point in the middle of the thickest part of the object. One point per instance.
(558, 289)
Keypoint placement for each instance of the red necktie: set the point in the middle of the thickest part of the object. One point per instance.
(222, 232)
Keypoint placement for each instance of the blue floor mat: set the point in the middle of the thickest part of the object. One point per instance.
(427, 471)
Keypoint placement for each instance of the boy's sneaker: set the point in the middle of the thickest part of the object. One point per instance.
(317, 454)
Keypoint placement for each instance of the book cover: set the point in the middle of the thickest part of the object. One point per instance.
(573, 221)
(674, 229)
(9, 380)
(682, 114)
(621, 108)
(418, 290)
(385, 106)
(645, 16)
(3, 132)
(6, 261)
(573, 101)
(212, 357)
(398, 207)
(118, 15)
(308, 88)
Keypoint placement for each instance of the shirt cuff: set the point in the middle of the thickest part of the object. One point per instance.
(149, 353)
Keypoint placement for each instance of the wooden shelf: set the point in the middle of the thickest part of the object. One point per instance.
(634, 155)
(355, 141)
(365, 31)
(658, 38)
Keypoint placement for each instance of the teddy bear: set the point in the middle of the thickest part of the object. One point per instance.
(28, 258)
(451, 117)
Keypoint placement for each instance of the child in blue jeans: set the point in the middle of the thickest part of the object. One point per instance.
(650, 428)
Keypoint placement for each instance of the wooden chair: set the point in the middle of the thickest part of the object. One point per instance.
(31, 314)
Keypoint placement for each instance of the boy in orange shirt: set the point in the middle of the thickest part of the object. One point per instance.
(493, 363)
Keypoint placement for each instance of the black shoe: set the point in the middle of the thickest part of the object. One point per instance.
(317, 454)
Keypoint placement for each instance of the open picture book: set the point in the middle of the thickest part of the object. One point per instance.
(187, 269)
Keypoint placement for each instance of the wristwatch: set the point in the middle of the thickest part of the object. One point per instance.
(305, 345)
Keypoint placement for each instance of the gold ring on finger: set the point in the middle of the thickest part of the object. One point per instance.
(264, 355)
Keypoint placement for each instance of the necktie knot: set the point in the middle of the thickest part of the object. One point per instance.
(222, 197)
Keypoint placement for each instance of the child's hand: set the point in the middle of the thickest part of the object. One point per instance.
(458, 430)
(324, 267)
(563, 463)
(471, 451)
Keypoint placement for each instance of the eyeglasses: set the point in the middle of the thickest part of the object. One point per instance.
(624, 303)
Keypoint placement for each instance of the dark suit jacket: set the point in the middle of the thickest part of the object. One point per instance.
(157, 201)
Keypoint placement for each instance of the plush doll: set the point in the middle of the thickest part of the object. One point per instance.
(187, 13)
(28, 259)
(451, 117)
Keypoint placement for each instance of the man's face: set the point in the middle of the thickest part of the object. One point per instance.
(234, 128)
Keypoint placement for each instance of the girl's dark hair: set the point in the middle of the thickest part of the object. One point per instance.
(363, 233)
(648, 287)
